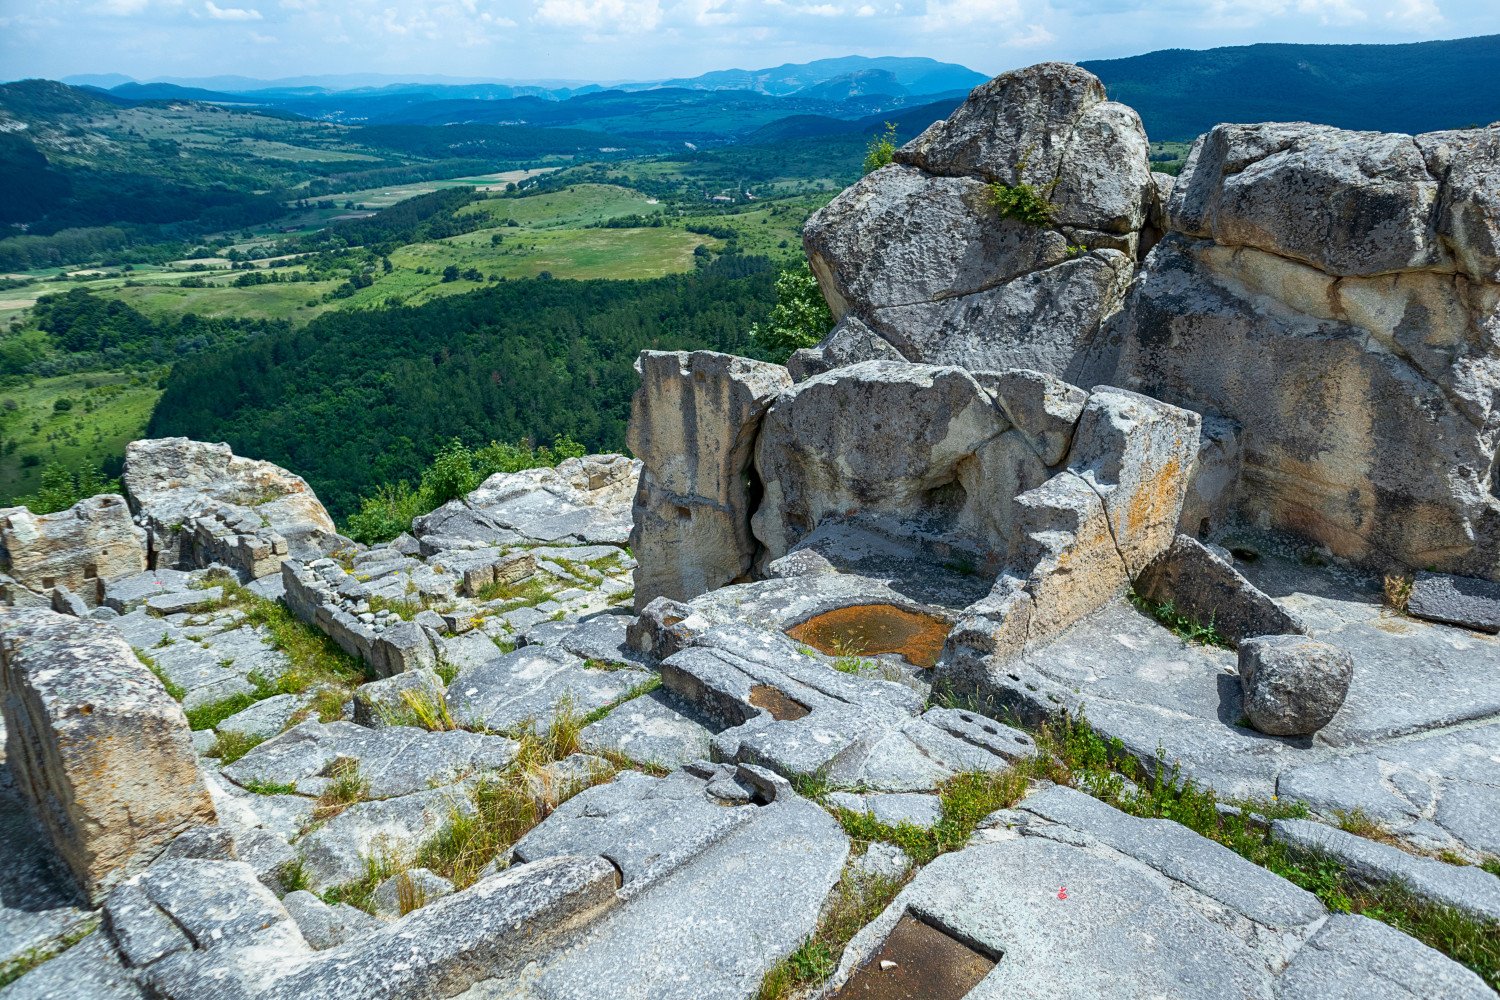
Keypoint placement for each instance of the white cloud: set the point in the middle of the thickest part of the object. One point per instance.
(1415, 14)
(601, 17)
(122, 8)
(230, 13)
(944, 14)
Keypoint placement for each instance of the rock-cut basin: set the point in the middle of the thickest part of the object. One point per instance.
(871, 629)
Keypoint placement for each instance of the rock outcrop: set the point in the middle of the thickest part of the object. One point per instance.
(1335, 295)
(918, 252)
(693, 424)
(201, 504)
(96, 745)
(81, 549)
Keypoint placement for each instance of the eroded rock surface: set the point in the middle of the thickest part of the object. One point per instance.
(97, 747)
(917, 252)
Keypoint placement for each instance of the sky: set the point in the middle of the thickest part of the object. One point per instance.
(604, 40)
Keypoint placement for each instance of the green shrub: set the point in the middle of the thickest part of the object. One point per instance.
(882, 149)
(1021, 202)
(455, 471)
(799, 319)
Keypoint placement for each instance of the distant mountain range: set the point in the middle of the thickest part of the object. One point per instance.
(1416, 87)
(1180, 93)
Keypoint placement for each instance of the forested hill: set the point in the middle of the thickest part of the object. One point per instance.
(1418, 87)
(356, 399)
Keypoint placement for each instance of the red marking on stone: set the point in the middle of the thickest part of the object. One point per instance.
(1062, 893)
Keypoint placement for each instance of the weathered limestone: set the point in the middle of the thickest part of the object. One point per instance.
(848, 343)
(201, 504)
(582, 501)
(884, 440)
(97, 746)
(1082, 536)
(693, 423)
(1203, 586)
(81, 548)
(1330, 292)
(916, 252)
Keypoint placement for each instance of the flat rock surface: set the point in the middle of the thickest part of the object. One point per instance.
(653, 729)
(711, 928)
(392, 762)
(1456, 600)
(1413, 746)
(530, 684)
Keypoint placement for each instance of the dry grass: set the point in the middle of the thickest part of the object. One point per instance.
(1396, 589)
(344, 790)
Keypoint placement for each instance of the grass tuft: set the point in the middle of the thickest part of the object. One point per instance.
(231, 746)
(1185, 627)
(175, 690)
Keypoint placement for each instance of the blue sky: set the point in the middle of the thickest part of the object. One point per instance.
(651, 39)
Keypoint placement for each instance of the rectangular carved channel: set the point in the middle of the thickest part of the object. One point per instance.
(928, 965)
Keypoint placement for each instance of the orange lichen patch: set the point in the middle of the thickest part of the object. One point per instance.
(778, 703)
(1153, 503)
(869, 629)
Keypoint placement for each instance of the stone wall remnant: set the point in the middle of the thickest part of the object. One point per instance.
(81, 548)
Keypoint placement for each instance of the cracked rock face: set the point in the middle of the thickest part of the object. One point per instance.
(1334, 293)
(916, 252)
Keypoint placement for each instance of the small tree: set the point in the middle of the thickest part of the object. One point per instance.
(799, 319)
(882, 149)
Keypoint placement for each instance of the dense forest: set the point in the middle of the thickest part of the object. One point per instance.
(356, 399)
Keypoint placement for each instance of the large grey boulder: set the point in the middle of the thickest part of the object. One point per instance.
(90, 544)
(882, 440)
(97, 746)
(848, 343)
(693, 422)
(1293, 685)
(200, 504)
(916, 251)
(1347, 203)
(1332, 293)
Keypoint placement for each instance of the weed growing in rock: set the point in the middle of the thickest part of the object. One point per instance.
(270, 788)
(527, 593)
(293, 876)
(966, 799)
(360, 892)
(1396, 589)
(1021, 202)
(175, 690)
(345, 789)
(856, 900)
(23, 963)
(419, 707)
(208, 716)
(504, 807)
(231, 746)
(1185, 627)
